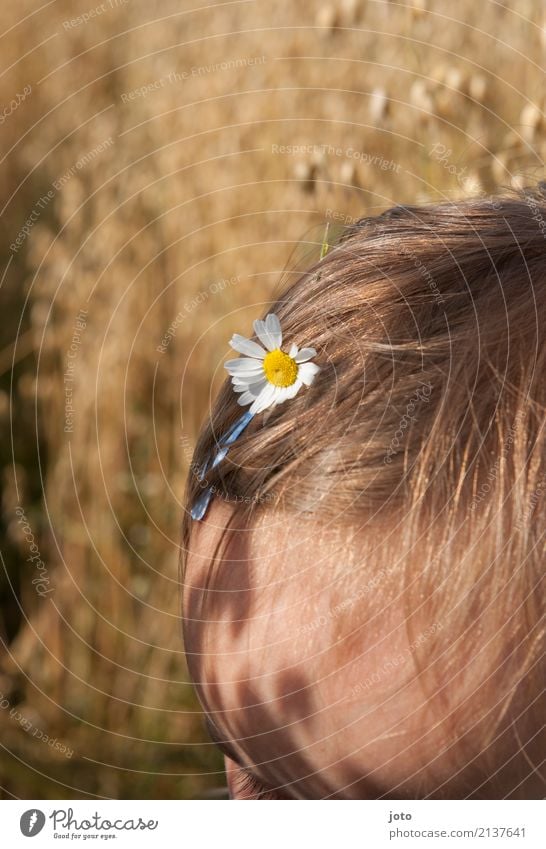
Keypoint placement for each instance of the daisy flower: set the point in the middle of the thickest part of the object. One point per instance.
(267, 376)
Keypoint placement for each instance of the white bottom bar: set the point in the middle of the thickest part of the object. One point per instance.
(266, 825)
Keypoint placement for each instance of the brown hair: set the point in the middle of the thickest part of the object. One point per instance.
(428, 413)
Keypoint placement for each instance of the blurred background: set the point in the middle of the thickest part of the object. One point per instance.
(164, 166)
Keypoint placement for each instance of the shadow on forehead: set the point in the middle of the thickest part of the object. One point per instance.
(237, 572)
(267, 735)
(217, 584)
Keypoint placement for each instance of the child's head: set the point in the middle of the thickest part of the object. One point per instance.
(363, 609)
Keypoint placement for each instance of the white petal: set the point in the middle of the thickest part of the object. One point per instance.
(264, 399)
(287, 392)
(254, 393)
(244, 365)
(256, 387)
(266, 338)
(281, 395)
(248, 382)
(292, 391)
(247, 346)
(246, 375)
(273, 327)
(293, 350)
(244, 380)
(307, 373)
(245, 398)
(304, 355)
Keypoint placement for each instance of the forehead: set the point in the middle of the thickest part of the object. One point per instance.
(309, 680)
(261, 599)
(253, 607)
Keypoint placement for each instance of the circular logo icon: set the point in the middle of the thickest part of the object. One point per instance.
(32, 822)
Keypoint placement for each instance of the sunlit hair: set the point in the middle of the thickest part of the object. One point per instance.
(428, 416)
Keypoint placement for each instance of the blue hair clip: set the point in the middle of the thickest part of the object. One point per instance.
(200, 507)
(263, 377)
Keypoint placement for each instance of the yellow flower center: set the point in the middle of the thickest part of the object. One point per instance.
(279, 368)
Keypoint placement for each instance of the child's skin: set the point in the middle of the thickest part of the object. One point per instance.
(290, 694)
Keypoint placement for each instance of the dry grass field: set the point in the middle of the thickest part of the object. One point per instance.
(164, 167)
